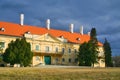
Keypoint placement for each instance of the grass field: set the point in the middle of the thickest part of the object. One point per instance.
(59, 73)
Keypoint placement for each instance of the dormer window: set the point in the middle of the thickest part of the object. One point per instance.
(78, 39)
(61, 37)
(2, 29)
(28, 32)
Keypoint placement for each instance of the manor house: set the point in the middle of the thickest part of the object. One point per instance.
(49, 46)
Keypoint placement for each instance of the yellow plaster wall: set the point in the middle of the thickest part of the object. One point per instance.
(48, 40)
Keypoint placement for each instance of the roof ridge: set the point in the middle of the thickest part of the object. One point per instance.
(40, 27)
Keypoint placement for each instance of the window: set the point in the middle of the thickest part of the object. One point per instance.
(37, 47)
(37, 58)
(69, 50)
(63, 50)
(2, 29)
(56, 59)
(78, 39)
(56, 50)
(47, 49)
(2, 44)
(28, 32)
(63, 60)
(69, 60)
(75, 51)
(76, 60)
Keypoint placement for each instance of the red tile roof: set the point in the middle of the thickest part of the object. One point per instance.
(13, 29)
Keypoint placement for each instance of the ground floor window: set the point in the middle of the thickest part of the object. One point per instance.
(56, 59)
(76, 60)
(63, 60)
(69, 60)
(37, 58)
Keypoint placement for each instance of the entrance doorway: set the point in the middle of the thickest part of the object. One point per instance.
(47, 60)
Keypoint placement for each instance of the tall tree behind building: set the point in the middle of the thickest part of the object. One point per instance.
(107, 52)
(94, 46)
(88, 51)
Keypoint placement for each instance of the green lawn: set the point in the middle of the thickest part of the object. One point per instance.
(59, 73)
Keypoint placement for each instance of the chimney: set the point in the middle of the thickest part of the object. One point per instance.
(71, 28)
(81, 30)
(22, 19)
(88, 33)
(48, 24)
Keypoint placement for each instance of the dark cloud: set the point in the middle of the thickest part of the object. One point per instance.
(101, 14)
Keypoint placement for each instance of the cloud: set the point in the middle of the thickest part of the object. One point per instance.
(12, 5)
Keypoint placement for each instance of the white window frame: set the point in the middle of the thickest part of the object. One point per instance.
(37, 47)
(47, 48)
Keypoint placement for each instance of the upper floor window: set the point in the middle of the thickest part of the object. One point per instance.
(37, 47)
(56, 50)
(69, 50)
(75, 51)
(2, 44)
(47, 49)
(63, 50)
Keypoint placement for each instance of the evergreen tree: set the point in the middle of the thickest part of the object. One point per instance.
(88, 52)
(107, 52)
(84, 55)
(94, 46)
(18, 51)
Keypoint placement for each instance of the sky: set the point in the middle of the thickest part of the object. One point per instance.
(104, 15)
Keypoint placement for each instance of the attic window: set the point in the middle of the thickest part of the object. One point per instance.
(61, 37)
(78, 39)
(2, 29)
(28, 32)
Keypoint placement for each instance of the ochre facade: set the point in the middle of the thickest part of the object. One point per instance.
(48, 46)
